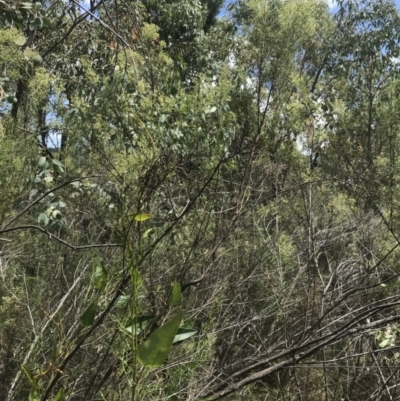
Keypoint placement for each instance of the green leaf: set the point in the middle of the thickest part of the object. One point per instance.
(46, 21)
(101, 277)
(19, 40)
(212, 109)
(141, 323)
(58, 166)
(153, 352)
(29, 375)
(385, 343)
(184, 334)
(11, 99)
(33, 192)
(33, 395)
(147, 232)
(60, 396)
(43, 218)
(176, 295)
(143, 216)
(43, 163)
(38, 22)
(136, 278)
(56, 214)
(122, 301)
(88, 316)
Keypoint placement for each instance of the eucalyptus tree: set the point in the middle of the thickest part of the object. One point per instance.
(360, 72)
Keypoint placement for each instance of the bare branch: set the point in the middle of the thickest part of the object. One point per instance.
(52, 236)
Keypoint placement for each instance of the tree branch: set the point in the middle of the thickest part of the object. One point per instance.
(52, 236)
(2, 229)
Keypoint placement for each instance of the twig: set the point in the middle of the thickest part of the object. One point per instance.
(73, 26)
(103, 24)
(52, 236)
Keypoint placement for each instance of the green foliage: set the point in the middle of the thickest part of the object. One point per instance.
(89, 314)
(153, 352)
(240, 170)
(60, 396)
(176, 296)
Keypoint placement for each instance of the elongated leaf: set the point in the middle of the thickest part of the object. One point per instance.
(184, 334)
(153, 352)
(54, 348)
(143, 216)
(60, 396)
(147, 232)
(29, 375)
(88, 316)
(101, 277)
(176, 295)
(136, 278)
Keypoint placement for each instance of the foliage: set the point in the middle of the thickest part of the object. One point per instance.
(196, 206)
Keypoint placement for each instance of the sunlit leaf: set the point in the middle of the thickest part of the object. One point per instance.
(211, 110)
(43, 218)
(122, 300)
(143, 216)
(385, 343)
(141, 323)
(147, 232)
(19, 40)
(184, 334)
(26, 5)
(43, 163)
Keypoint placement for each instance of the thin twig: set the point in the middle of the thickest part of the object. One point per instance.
(52, 236)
